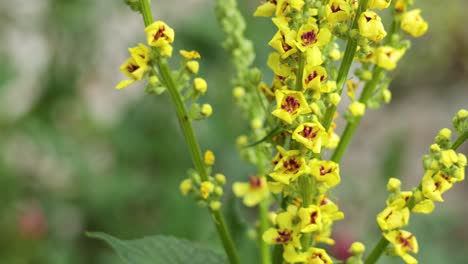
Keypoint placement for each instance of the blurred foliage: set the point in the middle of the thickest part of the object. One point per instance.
(63, 173)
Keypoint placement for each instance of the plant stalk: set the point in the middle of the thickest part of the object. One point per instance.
(345, 66)
(190, 139)
(351, 126)
(382, 244)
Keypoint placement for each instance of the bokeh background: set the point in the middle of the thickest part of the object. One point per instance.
(77, 155)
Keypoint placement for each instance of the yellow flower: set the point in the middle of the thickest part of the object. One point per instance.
(310, 35)
(200, 85)
(285, 234)
(289, 105)
(159, 34)
(140, 53)
(403, 243)
(279, 155)
(311, 219)
(266, 9)
(402, 5)
(337, 11)
(206, 188)
(253, 192)
(284, 7)
(424, 207)
(313, 78)
(379, 4)
(290, 167)
(316, 256)
(325, 171)
(209, 158)
(448, 158)
(413, 24)
(284, 40)
(434, 184)
(371, 27)
(352, 87)
(132, 69)
(311, 134)
(313, 56)
(279, 68)
(185, 186)
(394, 216)
(387, 57)
(190, 54)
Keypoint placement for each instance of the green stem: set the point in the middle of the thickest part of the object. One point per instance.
(377, 251)
(350, 128)
(460, 140)
(190, 139)
(264, 247)
(263, 209)
(278, 254)
(350, 51)
(367, 92)
(300, 72)
(146, 12)
(382, 244)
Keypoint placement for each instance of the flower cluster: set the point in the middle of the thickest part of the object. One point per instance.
(305, 86)
(144, 62)
(443, 167)
(207, 192)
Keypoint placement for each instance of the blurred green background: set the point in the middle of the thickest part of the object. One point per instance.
(77, 155)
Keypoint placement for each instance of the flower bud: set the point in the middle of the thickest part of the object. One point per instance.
(206, 110)
(185, 186)
(206, 188)
(256, 123)
(192, 66)
(357, 109)
(215, 205)
(335, 99)
(357, 248)
(200, 85)
(238, 92)
(209, 158)
(460, 121)
(220, 178)
(393, 185)
(413, 24)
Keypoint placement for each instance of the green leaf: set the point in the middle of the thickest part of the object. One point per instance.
(160, 250)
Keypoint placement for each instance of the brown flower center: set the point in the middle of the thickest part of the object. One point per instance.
(284, 236)
(309, 133)
(255, 182)
(290, 104)
(309, 37)
(132, 67)
(291, 165)
(160, 33)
